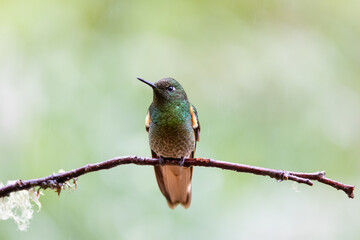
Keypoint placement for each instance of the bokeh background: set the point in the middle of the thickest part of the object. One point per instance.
(276, 84)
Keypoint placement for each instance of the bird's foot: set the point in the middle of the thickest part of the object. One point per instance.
(161, 161)
(182, 161)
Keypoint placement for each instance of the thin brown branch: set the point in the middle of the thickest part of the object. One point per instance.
(56, 181)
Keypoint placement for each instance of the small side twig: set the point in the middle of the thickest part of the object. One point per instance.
(56, 181)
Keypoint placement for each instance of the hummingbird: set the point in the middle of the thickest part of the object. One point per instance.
(173, 126)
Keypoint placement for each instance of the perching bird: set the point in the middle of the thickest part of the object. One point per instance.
(173, 127)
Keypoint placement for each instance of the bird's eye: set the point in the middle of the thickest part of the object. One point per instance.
(170, 88)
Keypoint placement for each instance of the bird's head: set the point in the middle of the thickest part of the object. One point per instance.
(166, 89)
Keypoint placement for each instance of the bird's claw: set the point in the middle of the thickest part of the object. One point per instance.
(161, 161)
(182, 161)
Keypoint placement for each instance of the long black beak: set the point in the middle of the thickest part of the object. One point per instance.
(148, 83)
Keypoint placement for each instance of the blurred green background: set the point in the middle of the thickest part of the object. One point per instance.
(276, 84)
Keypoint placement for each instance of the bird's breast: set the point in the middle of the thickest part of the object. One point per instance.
(171, 134)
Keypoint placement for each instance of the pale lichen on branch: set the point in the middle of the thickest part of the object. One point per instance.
(19, 206)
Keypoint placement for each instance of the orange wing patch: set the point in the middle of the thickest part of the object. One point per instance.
(147, 121)
(195, 123)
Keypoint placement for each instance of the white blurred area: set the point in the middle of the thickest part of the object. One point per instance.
(20, 92)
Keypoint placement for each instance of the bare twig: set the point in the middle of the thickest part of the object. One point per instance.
(56, 181)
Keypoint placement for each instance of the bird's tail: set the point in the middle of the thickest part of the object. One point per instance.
(175, 184)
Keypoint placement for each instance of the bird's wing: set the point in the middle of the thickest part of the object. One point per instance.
(195, 122)
(147, 121)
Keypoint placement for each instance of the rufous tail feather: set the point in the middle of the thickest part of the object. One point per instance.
(174, 183)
